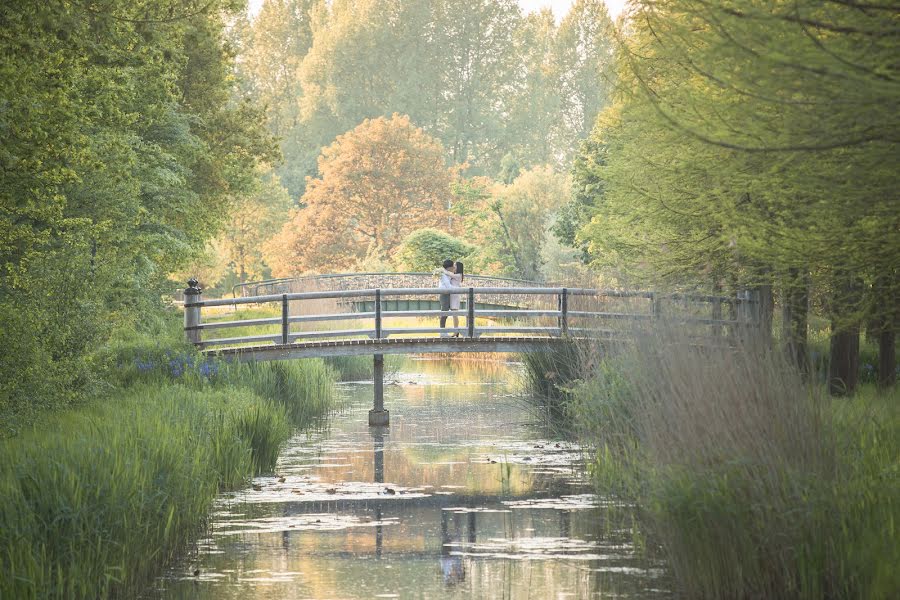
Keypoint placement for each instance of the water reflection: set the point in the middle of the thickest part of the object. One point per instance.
(460, 497)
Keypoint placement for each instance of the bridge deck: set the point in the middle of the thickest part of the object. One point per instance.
(357, 347)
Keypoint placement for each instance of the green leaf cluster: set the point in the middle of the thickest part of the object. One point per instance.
(120, 141)
(479, 75)
(424, 250)
(752, 144)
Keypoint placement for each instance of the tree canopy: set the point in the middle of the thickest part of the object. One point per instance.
(753, 144)
(120, 144)
(480, 76)
(378, 182)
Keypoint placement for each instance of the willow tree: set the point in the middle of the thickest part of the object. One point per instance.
(753, 141)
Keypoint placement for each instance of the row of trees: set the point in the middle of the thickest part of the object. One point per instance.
(755, 144)
(478, 75)
(121, 146)
(493, 92)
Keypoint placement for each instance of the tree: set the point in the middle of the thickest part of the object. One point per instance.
(585, 69)
(532, 130)
(509, 225)
(747, 147)
(277, 40)
(478, 70)
(378, 182)
(254, 218)
(425, 249)
(120, 145)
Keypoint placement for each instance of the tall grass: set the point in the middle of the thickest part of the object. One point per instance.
(305, 388)
(96, 500)
(754, 484)
(550, 375)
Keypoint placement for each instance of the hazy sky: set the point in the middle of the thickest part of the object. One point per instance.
(560, 7)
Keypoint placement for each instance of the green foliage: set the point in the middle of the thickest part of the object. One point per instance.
(753, 484)
(510, 225)
(425, 249)
(550, 376)
(480, 76)
(747, 147)
(95, 501)
(120, 146)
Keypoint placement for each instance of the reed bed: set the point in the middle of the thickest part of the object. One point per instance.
(754, 484)
(97, 500)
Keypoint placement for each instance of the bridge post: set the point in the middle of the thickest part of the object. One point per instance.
(470, 310)
(378, 416)
(378, 314)
(747, 314)
(285, 323)
(655, 305)
(564, 313)
(192, 295)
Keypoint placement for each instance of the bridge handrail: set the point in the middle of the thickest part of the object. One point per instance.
(434, 291)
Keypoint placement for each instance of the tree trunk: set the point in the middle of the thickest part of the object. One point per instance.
(794, 316)
(843, 369)
(887, 356)
(885, 328)
(844, 366)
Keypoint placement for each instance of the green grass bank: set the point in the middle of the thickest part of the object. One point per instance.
(753, 483)
(96, 499)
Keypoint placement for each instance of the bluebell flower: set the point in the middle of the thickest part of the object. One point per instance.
(176, 368)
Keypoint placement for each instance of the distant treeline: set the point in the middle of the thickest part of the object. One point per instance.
(479, 75)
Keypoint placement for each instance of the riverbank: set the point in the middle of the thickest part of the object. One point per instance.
(753, 483)
(95, 500)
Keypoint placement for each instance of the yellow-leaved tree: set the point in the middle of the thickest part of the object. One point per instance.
(377, 183)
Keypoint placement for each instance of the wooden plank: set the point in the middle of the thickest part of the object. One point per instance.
(383, 346)
(609, 315)
(488, 331)
(409, 330)
(336, 333)
(242, 340)
(513, 313)
(332, 317)
(245, 323)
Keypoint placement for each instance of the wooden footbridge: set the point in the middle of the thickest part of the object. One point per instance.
(375, 321)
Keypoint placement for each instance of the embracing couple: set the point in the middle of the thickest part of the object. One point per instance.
(451, 277)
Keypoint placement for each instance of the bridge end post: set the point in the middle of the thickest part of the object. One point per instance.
(378, 417)
(192, 295)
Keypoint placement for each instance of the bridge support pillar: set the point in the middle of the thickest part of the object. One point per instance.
(378, 416)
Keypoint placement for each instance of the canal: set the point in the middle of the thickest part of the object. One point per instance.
(465, 495)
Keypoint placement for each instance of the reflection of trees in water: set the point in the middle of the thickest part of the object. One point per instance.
(476, 368)
(453, 532)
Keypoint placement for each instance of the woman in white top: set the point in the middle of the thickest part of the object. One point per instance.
(456, 279)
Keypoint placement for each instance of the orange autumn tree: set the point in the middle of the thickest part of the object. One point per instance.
(377, 183)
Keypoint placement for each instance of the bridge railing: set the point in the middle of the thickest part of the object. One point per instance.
(560, 312)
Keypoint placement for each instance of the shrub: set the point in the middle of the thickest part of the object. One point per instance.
(425, 249)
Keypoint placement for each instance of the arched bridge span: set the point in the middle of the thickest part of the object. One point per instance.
(321, 323)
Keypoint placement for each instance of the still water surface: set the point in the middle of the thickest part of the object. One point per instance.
(463, 496)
